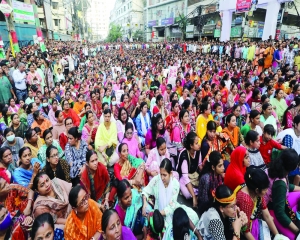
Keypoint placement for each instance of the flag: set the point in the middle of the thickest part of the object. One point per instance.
(152, 34)
(121, 51)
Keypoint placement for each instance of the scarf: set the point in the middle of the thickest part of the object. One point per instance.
(234, 138)
(165, 195)
(143, 123)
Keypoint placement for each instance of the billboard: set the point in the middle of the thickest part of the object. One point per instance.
(23, 12)
(243, 5)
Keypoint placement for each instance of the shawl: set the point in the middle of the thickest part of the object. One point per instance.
(77, 229)
(16, 199)
(23, 176)
(59, 207)
(281, 106)
(165, 196)
(101, 180)
(143, 123)
(234, 138)
(93, 133)
(42, 151)
(236, 169)
(131, 212)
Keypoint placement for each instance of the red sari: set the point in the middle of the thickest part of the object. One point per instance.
(72, 114)
(97, 108)
(170, 121)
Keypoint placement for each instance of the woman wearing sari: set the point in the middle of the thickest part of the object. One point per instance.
(250, 200)
(279, 104)
(48, 137)
(90, 128)
(143, 122)
(165, 189)
(79, 105)
(181, 129)
(123, 118)
(33, 142)
(210, 178)
(233, 96)
(52, 198)
(282, 197)
(28, 168)
(17, 126)
(173, 117)
(132, 140)
(232, 136)
(130, 168)
(33, 77)
(96, 105)
(126, 102)
(56, 167)
(95, 180)
(245, 109)
(254, 124)
(267, 117)
(292, 111)
(68, 112)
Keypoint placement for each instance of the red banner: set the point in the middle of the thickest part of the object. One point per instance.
(243, 5)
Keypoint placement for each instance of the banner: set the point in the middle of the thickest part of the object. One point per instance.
(23, 12)
(165, 72)
(243, 5)
(172, 75)
(119, 94)
(114, 71)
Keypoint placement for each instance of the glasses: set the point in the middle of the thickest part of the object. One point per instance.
(84, 200)
(54, 155)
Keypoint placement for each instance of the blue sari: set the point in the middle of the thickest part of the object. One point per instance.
(22, 176)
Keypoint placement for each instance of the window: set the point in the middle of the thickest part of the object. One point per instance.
(55, 5)
(56, 22)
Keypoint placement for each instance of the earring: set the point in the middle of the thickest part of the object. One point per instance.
(186, 237)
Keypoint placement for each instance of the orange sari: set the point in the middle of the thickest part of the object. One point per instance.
(86, 229)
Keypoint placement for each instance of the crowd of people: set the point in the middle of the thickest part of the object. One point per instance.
(99, 141)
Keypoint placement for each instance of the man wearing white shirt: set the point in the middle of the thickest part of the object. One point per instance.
(19, 77)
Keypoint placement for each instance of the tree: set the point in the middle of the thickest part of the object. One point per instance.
(138, 35)
(182, 23)
(115, 32)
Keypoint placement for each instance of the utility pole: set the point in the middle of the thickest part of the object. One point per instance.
(39, 32)
(11, 29)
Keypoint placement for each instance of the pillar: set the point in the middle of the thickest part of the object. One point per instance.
(272, 11)
(226, 25)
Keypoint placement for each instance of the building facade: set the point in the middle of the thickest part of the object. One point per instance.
(97, 17)
(129, 15)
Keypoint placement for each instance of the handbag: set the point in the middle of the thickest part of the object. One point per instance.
(261, 61)
(109, 151)
(194, 179)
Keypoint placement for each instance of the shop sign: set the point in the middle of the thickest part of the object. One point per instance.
(243, 5)
(236, 32)
(190, 35)
(190, 28)
(152, 23)
(217, 33)
(167, 21)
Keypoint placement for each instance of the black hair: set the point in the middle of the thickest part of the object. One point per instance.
(154, 121)
(37, 129)
(214, 160)
(269, 129)
(211, 125)
(104, 104)
(142, 105)
(166, 164)
(228, 119)
(74, 132)
(28, 134)
(36, 114)
(57, 113)
(277, 91)
(173, 104)
(22, 150)
(181, 114)
(181, 224)
(73, 195)
(2, 151)
(89, 153)
(256, 178)
(186, 104)
(121, 146)
(253, 114)
(255, 93)
(106, 111)
(46, 132)
(39, 221)
(158, 98)
(121, 187)
(251, 136)
(7, 130)
(204, 107)
(297, 103)
(119, 114)
(160, 141)
(12, 116)
(158, 223)
(87, 114)
(36, 179)
(189, 140)
(68, 118)
(216, 105)
(286, 162)
(265, 106)
(172, 96)
(106, 217)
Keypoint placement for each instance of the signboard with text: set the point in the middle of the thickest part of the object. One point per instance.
(172, 75)
(243, 5)
(23, 12)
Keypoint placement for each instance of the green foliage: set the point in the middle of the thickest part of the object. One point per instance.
(182, 23)
(138, 34)
(115, 32)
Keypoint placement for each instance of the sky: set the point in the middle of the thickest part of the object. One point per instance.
(111, 4)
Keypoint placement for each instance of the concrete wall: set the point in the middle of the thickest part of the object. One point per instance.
(24, 31)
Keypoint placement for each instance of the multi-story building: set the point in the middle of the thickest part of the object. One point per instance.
(58, 21)
(98, 18)
(129, 15)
